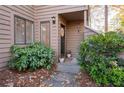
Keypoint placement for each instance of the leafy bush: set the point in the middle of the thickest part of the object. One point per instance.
(31, 57)
(121, 62)
(99, 56)
(116, 76)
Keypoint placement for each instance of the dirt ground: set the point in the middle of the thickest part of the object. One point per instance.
(12, 78)
(85, 80)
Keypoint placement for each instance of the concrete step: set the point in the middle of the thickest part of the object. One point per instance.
(69, 69)
(69, 66)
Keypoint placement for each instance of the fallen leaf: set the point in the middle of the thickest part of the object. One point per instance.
(50, 85)
(63, 83)
(41, 77)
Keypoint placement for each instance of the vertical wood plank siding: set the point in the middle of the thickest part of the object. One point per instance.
(74, 36)
(7, 28)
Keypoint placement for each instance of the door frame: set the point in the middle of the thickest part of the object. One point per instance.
(63, 25)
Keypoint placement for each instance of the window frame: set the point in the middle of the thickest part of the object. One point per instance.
(41, 39)
(22, 18)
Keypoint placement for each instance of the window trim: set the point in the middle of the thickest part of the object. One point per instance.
(33, 33)
(49, 31)
(25, 43)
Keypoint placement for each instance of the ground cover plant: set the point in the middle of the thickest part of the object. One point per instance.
(99, 57)
(31, 57)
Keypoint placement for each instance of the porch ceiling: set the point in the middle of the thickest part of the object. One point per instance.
(73, 16)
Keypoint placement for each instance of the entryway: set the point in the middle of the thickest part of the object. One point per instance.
(62, 39)
(70, 36)
(70, 33)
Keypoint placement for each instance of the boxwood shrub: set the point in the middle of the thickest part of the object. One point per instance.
(99, 57)
(31, 57)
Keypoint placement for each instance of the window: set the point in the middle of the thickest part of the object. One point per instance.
(45, 33)
(23, 31)
(114, 17)
(97, 17)
(107, 18)
(29, 32)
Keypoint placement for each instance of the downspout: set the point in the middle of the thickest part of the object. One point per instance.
(85, 22)
(106, 18)
(86, 19)
(88, 15)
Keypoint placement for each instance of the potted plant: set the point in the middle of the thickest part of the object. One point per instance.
(69, 54)
(61, 59)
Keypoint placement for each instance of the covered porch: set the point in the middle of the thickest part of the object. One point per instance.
(70, 34)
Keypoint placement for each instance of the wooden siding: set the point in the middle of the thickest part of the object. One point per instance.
(73, 37)
(44, 13)
(7, 28)
(89, 32)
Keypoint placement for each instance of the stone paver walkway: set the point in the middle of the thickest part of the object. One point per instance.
(65, 74)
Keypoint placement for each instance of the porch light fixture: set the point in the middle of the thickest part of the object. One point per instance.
(53, 20)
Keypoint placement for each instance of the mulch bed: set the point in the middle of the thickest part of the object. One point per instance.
(85, 80)
(12, 78)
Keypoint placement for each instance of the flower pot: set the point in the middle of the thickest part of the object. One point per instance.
(68, 55)
(61, 60)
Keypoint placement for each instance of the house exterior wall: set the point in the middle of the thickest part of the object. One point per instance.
(7, 28)
(36, 14)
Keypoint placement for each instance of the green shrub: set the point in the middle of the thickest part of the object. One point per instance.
(116, 76)
(121, 62)
(99, 56)
(31, 57)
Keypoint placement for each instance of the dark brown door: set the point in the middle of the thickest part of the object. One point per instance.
(63, 40)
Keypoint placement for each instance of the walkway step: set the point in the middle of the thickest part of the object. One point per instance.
(68, 68)
(65, 74)
(61, 79)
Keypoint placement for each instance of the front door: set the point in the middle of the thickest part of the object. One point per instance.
(62, 31)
